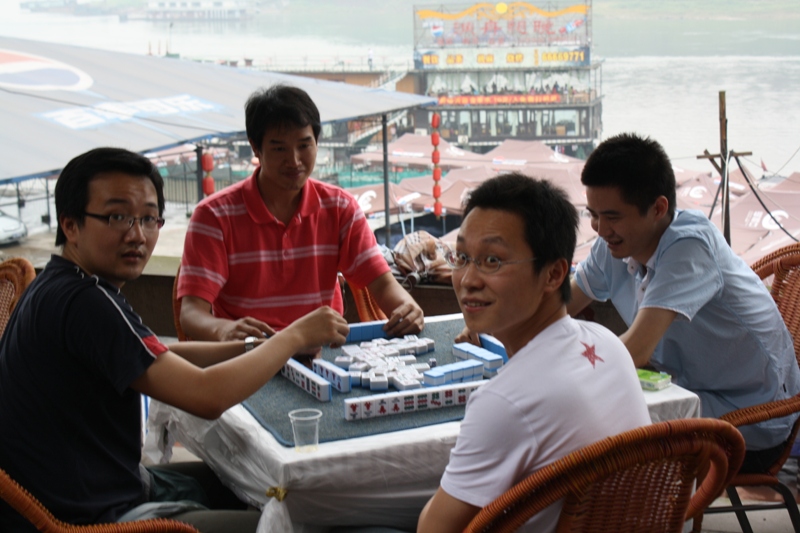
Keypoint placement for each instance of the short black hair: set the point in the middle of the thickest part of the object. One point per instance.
(638, 166)
(279, 106)
(549, 218)
(72, 187)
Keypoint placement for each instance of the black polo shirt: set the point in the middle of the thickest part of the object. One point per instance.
(70, 426)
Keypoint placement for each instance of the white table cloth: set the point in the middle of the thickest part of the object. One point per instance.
(355, 481)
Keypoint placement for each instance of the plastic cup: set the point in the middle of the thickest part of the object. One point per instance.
(305, 427)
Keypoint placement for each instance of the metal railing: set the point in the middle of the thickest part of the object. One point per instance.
(358, 63)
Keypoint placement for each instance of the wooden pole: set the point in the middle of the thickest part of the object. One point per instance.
(722, 168)
(723, 152)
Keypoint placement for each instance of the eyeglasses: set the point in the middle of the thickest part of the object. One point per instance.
(125, 222)
(488, 264)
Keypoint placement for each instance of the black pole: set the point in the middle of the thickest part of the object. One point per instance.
(723, 152)
(20, 201)
(719, 189)
(199, 152)
(386, 181)
(47, 201)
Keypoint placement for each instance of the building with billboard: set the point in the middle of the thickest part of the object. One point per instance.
(509, 70)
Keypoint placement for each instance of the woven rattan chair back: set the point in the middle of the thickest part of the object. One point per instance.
(637, 481)
(366, 305)
(15, 276)
(35, 513)
(785, 290)
(791, 249)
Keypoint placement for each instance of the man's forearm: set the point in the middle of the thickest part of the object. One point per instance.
(198, 323)
(578, 300)
(205, 354)
(389, 294)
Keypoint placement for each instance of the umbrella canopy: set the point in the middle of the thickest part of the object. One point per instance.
(59, 101)
(455, 188)
(519, 153)
(756, 231)
(371, 198)
(780, 183)
(699, 192)
(414, 151)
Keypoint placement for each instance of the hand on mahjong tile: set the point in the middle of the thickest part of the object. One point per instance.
(408, 319)
(243, 328)
(468, 336)
(307, 356)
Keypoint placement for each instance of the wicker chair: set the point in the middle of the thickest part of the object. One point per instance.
(366, 305)
(638, 481)
(791, 249)
(784, 267)
(15, 276)
(35, 513)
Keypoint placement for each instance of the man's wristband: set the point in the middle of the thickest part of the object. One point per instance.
(249, 343)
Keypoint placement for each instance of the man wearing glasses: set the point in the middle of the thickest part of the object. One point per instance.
(567, 383)
(75, 359)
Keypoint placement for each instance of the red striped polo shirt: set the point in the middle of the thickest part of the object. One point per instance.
(246, 262)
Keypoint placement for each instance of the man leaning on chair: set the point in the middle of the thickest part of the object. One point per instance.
(75, 358)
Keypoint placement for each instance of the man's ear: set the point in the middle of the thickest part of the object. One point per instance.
(70, 227)
(254, 148)
(556, 272)
(661, 207)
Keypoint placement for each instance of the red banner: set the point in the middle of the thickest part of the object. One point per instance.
(500, 99)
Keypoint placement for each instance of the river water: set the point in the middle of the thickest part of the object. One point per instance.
(661, 75)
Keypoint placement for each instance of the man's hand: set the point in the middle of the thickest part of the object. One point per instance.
(233, 330)
(307, 358)
(200, 324)
(407, 319)
(468, 336)
(445, 514)
(405, 315)
(321, 327)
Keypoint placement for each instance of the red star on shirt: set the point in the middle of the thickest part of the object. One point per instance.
(590, 355)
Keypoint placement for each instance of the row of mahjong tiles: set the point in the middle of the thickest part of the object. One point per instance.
(271, 404)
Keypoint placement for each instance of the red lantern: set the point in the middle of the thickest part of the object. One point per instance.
(208, 162)
(435, 138)
(435, 121)
(208, 185)
(437, 174)
(435, 157)
(437, 209)
(437, 191)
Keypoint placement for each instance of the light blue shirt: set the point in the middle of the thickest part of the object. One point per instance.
(728, 343)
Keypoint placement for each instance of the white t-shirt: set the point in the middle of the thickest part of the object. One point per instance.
(572, 385)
